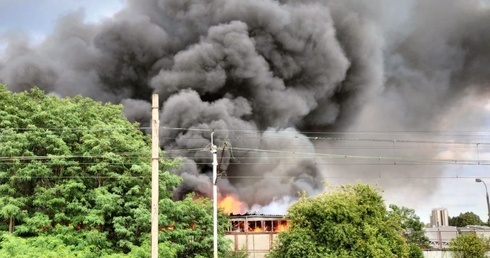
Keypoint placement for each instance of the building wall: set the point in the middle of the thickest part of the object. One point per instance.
(257, 245)
(439, 237)
(442, 254)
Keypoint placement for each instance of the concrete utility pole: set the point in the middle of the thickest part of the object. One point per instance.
(155, 149)
(215, 197)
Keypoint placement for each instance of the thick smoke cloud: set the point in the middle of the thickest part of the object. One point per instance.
(260, 72)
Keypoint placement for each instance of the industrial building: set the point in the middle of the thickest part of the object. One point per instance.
(439, 237)
(255, 233)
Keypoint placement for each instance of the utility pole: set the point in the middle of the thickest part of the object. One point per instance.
(155, 149)
(215, 197)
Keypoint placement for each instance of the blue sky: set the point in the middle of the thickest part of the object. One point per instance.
(37, 18)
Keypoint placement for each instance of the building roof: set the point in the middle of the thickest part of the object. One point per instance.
(255, 215)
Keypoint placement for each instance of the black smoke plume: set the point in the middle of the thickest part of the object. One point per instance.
(260, 72)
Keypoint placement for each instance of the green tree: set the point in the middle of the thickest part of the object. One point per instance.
(43, 247)
(351, 221)
(465, 219)
(77, 170)
(413, 229)
(468, 245)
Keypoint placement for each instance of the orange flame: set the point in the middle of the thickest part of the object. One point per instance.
(282, 227)
(257, 230)
(231, 204)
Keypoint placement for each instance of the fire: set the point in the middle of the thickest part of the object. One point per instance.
(257, 230)
(231, 204)
(282, 227)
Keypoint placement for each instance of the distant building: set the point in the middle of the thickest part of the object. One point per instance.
(483, 231)
(439, 218)
(440, 237)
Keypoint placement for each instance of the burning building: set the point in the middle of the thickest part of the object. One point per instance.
(256, 223)
(251, 232)
(255, 233)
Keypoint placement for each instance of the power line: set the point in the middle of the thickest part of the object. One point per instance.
(292, 164)
(359, 177)
(327, 132)
(257, 177)
(103, 155)
(288, 154)
(256, 131)
(69, 156)
(298, 135)
(71, 128)
(75, 177)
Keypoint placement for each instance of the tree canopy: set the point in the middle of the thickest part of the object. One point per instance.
(75, 173)
(469, 245)
(349, 221)
(413, 229)
(465, 219)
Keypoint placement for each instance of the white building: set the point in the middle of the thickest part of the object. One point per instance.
(439, 237)
(255, 233)
(439, 218)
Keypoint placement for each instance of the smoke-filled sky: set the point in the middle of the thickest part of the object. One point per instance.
(388, 92)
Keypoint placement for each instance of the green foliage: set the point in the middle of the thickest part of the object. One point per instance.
(468, 245)
(415, 251)
(75, 172)
(413, 229)
(45, 247)
(351, 221)
(465, 219)
(187, 227)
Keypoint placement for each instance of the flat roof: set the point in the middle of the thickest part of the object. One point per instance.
(255, 216)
